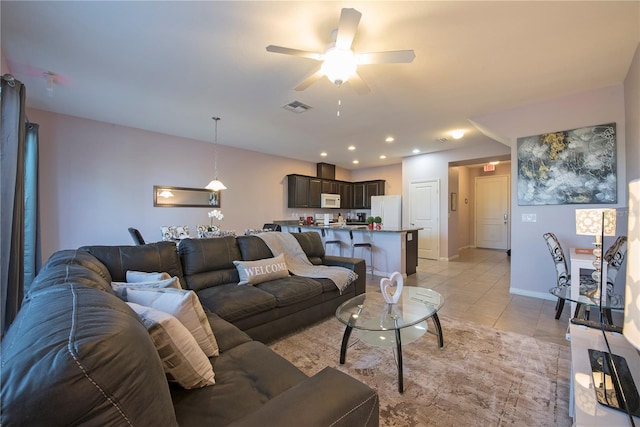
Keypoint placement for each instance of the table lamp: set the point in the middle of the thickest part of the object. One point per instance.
(598, 223)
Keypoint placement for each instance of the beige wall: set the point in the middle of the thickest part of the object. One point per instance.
(96, 180)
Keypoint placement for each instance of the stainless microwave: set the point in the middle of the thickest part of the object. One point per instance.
(329, 200)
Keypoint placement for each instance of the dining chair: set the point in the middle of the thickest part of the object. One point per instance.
(136, 236)
(563, 278)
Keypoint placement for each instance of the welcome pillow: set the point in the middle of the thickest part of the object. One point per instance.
(183, 305)
(183, 360)
(263, 270)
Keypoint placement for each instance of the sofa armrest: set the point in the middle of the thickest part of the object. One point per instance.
(227, 335)
(356, 264)
(329, 398)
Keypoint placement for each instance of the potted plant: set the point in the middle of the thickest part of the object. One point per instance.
(378, 222)
(370, 221)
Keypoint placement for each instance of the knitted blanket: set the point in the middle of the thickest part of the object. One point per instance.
(299, 264)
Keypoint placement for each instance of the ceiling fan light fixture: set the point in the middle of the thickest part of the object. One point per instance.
(339, 65)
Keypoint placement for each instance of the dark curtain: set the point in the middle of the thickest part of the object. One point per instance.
(18, 203)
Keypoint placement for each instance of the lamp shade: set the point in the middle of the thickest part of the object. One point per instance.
(631, 327)
(215, 185)
(589, 222)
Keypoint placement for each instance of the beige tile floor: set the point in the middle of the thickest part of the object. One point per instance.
(476, 288)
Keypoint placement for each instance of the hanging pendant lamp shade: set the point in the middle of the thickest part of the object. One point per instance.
(215, 185)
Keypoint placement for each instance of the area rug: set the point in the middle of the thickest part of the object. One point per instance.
(481, 377)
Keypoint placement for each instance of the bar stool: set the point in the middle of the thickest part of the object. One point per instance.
(330, 242)
(363, 246)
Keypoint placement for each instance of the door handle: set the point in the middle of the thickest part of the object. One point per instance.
(506, 218)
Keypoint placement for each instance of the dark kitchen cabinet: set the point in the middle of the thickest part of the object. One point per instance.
(345, 190)
(305, 192)
(330, 186)
(298, 191)
(315, 189)
(362, 192)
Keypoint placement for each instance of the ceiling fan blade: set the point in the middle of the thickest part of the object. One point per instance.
(349, 20)
(390, 57)
(294, 52)
(358, 84)
(310, 80)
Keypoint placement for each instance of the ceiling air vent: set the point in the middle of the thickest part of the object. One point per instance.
(442, 140)
(296, 107)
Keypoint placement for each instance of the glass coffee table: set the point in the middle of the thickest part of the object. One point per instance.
(389, 325)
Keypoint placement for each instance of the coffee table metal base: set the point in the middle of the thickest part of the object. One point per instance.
(347, 335)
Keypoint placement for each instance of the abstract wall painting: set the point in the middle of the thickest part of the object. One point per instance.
(575, 166)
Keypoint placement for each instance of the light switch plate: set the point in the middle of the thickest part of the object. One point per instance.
(529, 217)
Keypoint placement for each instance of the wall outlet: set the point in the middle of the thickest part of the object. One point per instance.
(529, 218)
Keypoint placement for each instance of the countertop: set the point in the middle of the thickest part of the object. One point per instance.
(349, 227)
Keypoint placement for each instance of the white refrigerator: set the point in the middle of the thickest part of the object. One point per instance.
(389, 208)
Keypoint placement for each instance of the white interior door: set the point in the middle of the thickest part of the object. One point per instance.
(492, 212)
(425, 207)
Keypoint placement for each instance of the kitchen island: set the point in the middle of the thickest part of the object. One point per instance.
(394, 249)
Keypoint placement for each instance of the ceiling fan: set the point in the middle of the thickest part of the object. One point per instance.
(339, 62)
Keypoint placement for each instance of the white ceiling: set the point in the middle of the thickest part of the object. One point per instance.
(170, 66)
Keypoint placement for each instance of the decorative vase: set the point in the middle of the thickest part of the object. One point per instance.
(371, 226)
(378, 226)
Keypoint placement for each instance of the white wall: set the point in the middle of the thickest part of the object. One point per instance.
(532, 271)
(435, 166)
(632, 111)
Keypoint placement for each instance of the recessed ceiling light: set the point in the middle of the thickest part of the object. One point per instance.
(352, 147)
(416, 151)
(323, 154)
(390, 139)
(383, 157)
(457, 134)
(355, 162)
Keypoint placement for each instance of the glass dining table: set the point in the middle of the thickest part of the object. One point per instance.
(608, 303)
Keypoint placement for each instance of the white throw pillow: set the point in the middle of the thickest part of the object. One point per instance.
(263, 270)
(183, 360)
(121, 288)
(183, 305)
(143, 276)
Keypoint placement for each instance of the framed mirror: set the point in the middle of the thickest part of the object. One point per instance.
(166, 196)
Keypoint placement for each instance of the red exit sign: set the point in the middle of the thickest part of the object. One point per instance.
(489, 168)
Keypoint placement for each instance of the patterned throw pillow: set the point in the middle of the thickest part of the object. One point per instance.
(183, 360)
(254, 272)
(183, 305)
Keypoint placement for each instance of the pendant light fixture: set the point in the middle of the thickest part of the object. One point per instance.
(215, 185)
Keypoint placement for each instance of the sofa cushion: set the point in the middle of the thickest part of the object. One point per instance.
(292, 290)
(253, 248)
(233, 302)
(75, 355)
(185, 306)
(311, 244)
(254, 272)
(78, 266)
(209, 262)
(183, 360)
(247, 376)
(158, 256)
